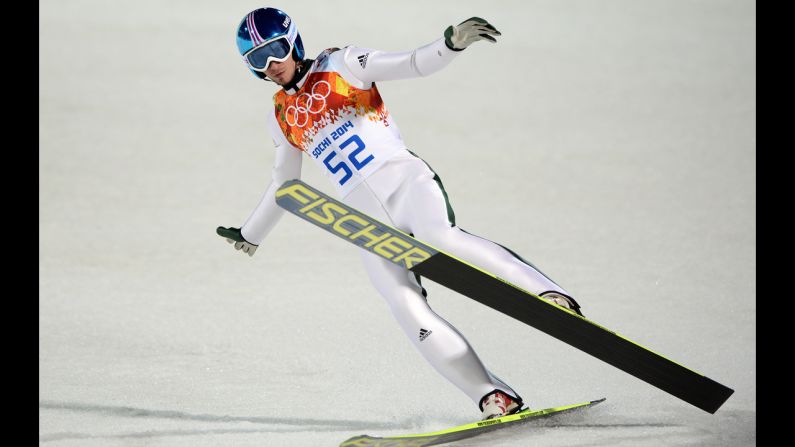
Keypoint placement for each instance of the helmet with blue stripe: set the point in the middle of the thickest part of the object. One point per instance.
(264, 25)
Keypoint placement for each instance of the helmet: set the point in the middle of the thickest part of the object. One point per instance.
(263, 25)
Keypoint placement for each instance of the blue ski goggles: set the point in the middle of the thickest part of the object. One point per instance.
(260, 57)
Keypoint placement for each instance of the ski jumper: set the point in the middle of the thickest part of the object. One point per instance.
(336, 117)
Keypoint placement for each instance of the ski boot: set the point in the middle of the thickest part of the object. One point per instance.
(497, 404)
(562, 301)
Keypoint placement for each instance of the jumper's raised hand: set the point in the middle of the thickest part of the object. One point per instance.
(470, 30)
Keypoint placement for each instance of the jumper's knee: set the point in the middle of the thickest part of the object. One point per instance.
(437, 237)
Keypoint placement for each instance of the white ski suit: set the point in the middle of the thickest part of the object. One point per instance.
(336, 117)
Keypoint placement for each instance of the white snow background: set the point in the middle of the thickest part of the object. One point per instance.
(611, 143)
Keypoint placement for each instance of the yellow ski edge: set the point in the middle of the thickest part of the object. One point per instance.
(510, 418)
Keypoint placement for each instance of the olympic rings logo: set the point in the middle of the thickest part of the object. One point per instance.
(306, 103)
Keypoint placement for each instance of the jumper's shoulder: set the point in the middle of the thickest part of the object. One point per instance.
(348, 61)
(323, 58)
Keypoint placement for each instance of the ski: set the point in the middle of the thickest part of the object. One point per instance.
(462, 431)
(394, 245)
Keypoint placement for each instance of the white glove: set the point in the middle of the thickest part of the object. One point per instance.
(233, 236)
(470, 30)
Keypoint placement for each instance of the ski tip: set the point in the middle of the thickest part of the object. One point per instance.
(598, 401)
(365, 441)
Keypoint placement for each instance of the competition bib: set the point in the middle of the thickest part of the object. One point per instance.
(346, 131)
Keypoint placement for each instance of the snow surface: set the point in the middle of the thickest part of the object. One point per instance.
(611, 143)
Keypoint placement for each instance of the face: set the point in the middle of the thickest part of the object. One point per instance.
(281, 72)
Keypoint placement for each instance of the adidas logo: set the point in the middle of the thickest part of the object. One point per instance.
(424, 334)
(363, 59)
